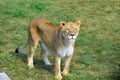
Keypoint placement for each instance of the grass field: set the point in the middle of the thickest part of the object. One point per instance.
(97, 49)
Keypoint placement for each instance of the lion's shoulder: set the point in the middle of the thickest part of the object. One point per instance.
(49, 24)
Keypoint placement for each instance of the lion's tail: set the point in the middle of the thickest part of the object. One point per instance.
(22, 48)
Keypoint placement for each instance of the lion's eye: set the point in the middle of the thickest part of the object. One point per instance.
(67, 29)
(76, 29)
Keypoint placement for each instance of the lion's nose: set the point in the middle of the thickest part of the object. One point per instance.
(72, 34)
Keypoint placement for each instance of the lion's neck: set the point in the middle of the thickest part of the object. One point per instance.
(61, 41)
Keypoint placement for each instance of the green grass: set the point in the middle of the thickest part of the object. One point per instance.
(97, 49)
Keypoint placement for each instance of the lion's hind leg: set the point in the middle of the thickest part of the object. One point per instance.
(33, 46)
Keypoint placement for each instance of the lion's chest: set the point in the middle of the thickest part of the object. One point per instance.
(65, 51)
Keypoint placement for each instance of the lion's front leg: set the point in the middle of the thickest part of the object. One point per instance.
(67, 65)
(57, 67)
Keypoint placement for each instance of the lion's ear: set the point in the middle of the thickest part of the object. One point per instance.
(62, 23)
(78, 23)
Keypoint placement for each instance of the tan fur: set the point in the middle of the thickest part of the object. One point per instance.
(58, 41)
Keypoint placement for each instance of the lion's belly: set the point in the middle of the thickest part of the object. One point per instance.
(46, 48)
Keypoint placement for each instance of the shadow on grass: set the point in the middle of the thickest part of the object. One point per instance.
(116, 74)
(38, 63)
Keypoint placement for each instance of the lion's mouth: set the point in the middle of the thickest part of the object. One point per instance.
(72, 38)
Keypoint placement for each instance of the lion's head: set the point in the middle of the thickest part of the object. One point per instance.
(70, 30)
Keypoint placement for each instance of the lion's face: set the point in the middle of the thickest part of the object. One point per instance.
(70, 30)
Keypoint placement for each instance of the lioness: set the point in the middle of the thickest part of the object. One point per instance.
(59, 41)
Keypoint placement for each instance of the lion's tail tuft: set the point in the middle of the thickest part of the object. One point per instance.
(22, 48)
